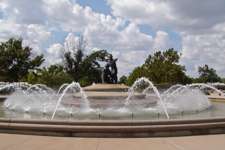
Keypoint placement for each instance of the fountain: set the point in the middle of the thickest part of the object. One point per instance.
(110, 109)
(106, 99)
(100, 104)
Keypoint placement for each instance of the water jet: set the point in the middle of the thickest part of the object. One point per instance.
(116, 105)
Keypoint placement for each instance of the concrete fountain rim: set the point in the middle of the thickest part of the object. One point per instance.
(114, 128)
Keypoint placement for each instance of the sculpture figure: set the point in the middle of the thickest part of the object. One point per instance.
(112, 63)
(107, 75)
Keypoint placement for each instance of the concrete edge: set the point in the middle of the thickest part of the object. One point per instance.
(113, 128)
(113, 122)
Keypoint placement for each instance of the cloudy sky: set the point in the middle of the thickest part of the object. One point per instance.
(129, 29)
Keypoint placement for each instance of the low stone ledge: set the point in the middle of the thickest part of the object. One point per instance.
(110, 122)
(14, 126)
(100, 123)
(5, 120)
(114, 128)
(39, 121)
(4, 125)
(100, 129)
(152, 128)
(3, 97)
(179, 127)
(176, 121)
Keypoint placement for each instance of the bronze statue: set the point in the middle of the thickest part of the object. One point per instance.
(107, 75)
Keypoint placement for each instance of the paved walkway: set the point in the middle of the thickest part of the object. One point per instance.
(32, 142)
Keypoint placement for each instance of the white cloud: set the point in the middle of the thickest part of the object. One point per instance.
(25, 19)
(71, 16)
(200, 24)
(162, 41)
(55, 49)
(9, 29)
(132, 39)
(54, 54)
(183, 16)
(23, 11)
(108, 35)
(104, 33)
(128, 60)
(37, 37)
(204, 49)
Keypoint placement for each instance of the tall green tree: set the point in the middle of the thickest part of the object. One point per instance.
(123, 80)
(91, 69)
(162, 67)
(52, 76)
(138, 72)
(208, 74)
(84, 69)
(72, 56)
(16, 60)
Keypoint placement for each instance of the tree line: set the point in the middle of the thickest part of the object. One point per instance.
(18, 64)
(163, 69)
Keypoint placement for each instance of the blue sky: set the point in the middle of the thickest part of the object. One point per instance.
(130, 30)
(99, 6)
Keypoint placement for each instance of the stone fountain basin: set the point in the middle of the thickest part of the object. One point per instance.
(132, 128)
(107, 87)
(105, 103)
(108, 95)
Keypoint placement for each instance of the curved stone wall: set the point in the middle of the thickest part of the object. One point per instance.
(132, 128)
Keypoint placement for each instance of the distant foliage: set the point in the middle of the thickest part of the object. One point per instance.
(18, 64)
(208, 74)
(161, 68)
(123, 80)
(16, 61)
(52, 76)
(85, 69)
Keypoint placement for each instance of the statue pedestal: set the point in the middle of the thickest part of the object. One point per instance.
(109, 95)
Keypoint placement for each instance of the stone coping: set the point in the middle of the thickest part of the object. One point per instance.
(3, 97)
(114, 128)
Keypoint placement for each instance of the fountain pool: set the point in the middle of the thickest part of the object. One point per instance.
(39, 101)
(176, 105)
(217, 110)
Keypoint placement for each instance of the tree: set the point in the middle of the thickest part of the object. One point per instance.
(91, 69)
(138, 72)
(123, 80)
(84, 69)
(223, 80)
(15, 60)
(162, 68)
(208, 74)
(72, 56)
(52, 76)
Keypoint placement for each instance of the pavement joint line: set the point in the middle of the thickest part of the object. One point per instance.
(19, 143)
(174, 144)
(97, 144)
